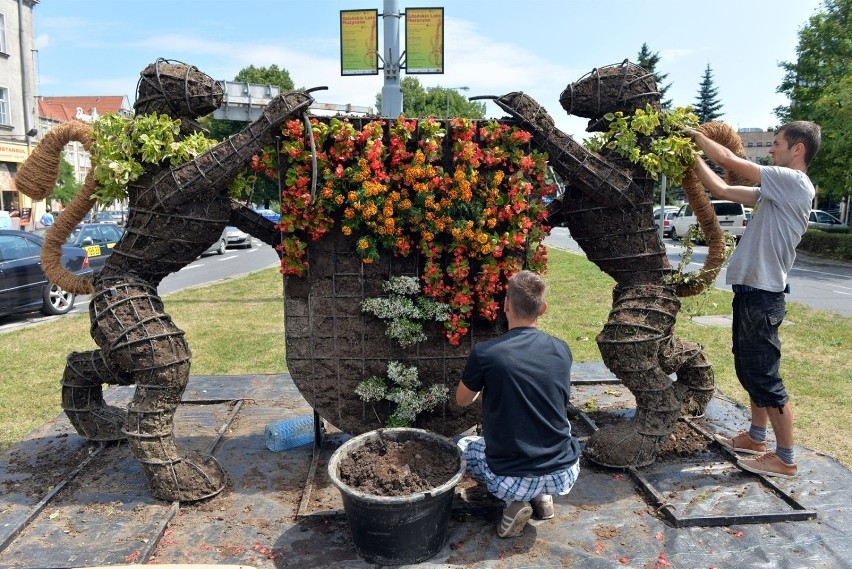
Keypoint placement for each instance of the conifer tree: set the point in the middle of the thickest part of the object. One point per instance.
(648, 61)
(707, 104)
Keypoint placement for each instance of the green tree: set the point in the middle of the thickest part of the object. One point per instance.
(707, 104)
(271, 75)
(265, 191)
(418, 101)
(66, 185)
(817, 85)
(648, 61)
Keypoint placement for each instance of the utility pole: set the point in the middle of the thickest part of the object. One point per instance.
(391, 90)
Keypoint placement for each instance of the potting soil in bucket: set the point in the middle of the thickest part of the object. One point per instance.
(397, 489)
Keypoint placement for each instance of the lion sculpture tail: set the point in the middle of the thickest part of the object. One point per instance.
(36, 178)
(700, 202)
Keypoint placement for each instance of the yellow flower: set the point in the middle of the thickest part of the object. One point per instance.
(338, 199)
(482, 238)
(363, 244)
(498, 177)
(352, 197)
(346, 230)
(419, 157)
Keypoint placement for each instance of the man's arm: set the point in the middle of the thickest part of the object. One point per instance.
(725, 158)
(465, 396)
(721, 190)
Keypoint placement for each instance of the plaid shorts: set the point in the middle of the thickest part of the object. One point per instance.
(514, 488)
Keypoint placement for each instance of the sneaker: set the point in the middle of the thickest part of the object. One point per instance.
(515, 517)
(542, 505)
(742, 442)
(769, 465)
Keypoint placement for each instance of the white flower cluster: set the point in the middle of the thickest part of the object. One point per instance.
(405, 315)
(406, 393)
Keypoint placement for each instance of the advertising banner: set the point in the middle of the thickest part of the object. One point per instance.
(424, 40)
(359, 42)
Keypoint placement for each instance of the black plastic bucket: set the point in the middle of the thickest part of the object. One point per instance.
(395, 530)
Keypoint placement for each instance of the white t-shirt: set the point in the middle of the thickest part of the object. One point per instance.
(767, 249)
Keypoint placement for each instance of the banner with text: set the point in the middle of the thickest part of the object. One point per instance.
(424, 40)
(359, 42)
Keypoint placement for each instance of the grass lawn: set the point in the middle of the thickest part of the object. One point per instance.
(235, 328)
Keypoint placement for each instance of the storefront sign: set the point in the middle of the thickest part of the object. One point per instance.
(13, 152)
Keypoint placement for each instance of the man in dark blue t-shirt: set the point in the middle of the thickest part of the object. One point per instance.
(524, 376)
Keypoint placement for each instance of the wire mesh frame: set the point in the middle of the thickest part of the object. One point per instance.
(798, 512)
(316, 360)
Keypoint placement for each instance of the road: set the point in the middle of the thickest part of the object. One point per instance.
(203, 271)
(815, 282)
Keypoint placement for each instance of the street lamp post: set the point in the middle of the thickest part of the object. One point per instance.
(448, 95)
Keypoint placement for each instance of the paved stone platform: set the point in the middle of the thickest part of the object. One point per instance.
(65, 502)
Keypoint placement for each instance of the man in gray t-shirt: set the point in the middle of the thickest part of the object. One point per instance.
(758, 274)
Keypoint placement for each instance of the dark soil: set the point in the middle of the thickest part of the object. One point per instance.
(391, 468)
(683, 442)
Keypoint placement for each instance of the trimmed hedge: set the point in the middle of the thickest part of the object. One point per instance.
(835, 243)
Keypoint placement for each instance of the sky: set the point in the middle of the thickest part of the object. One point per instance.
(98, 47)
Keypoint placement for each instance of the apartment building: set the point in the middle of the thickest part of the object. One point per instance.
(18, 130)
(757, 142)
(57, 110)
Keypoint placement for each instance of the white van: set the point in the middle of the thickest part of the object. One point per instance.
(732, 217)
(5, 220)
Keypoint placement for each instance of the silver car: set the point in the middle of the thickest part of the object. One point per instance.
(819, 219)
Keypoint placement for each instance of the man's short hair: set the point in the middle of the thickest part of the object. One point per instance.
(806, 132)
(526, 291)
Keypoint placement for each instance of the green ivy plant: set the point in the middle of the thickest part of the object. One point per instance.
(670, 152)
(684, 277)
(123, 145)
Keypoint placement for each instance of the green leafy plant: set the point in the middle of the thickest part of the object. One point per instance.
(405, 310)
(669, 152)
(402, 387)
(680, 276)
(123, 145)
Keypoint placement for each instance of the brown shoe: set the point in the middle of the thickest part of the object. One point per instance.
(742, 442)
(769, 465)
(542, 505)
(515, 517)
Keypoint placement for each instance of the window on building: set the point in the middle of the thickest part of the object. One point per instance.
(3, 34)
(750, 144)
(4, 105)
(759, 143)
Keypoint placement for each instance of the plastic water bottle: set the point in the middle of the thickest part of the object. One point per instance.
(290, 433)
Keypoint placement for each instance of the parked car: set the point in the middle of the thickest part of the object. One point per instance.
(97, 239)
(5, 220)
(269, 214)
(102, 217)
(23, 285)
(731, 215)
(819, 219)
(667, 221)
